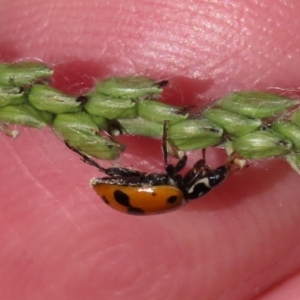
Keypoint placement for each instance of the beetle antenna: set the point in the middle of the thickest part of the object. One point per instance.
(86, 158)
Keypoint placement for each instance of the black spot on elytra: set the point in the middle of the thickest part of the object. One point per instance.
(122, 198)
(172, 199)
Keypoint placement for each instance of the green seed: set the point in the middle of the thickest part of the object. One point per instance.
(262, 144)
(289, 130)
(11, 96)
(294, 160)
(110, 108)
(131, 87)
(233, 123)
(47, 117)
(23, 114)
(139, 126)
(255, 104)
(79, 121)
(195, 134)
(94, 145)
(81, 132)
(22, 73)
(295, 118)
(46, 98)
(158, 112)
(99, 121)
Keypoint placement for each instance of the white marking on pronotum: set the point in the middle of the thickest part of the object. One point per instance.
(204, 180)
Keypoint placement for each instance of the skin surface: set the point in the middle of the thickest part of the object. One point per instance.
(60, 241)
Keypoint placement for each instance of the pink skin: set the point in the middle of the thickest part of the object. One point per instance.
(60, 241)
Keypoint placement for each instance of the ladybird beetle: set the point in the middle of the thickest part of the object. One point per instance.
(134, 192)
